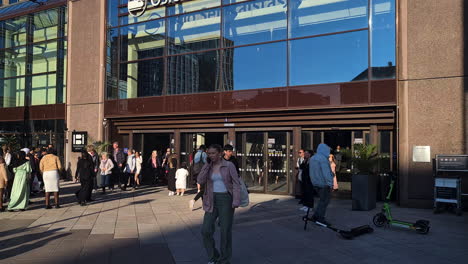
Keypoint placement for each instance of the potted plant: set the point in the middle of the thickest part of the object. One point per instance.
(364, 159)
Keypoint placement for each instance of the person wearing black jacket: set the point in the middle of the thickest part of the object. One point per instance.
(85, 172)
(155, 167)
(96, 163)
(228, 155)
(118, 157)
(307, 187)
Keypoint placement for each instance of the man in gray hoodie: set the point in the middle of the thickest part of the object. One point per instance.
(322, 179)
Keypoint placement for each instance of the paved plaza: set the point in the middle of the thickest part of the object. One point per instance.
(147, 226)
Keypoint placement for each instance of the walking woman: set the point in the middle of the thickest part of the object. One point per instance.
(106, 171)
(138, 161)
(221, 197)
(19, 198)
(85, 171)
(50, 166)
(3, 181)
(155, 166)
(171, 180)
(332, 160)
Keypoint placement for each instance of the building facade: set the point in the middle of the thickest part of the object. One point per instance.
(267, 76)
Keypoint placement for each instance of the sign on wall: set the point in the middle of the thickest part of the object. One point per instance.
(421, 153)
(138, 7)
(79, 140)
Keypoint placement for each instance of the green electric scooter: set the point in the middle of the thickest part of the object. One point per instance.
(385, 217)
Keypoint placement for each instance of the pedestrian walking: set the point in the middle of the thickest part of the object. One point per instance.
(95, 159)
(181, 179)
(228, 155)
(221, 197)
(138, 161)
(50, 166)
(19, 198)
(333, 165)
(199, 160)
(119, 165)
(105, 167)
(129, 170)
(3, 181)
(171, 179)
(299, 184)
(322, 179)
(85, 172)
(154, 165)
(307, 187)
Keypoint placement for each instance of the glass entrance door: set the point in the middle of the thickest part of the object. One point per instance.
(264, 159)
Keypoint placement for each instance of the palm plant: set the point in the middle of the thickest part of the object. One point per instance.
(364, 158)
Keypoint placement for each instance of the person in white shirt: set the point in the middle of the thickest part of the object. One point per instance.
(181, 179)
(129, 169)
(138, 161)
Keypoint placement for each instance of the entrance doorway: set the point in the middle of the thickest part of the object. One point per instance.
(146, 143)
(265, 160)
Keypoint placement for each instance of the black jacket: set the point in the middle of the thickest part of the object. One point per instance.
(235, 162)
(85, 169)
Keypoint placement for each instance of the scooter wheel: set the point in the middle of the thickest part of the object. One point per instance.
(422, 228)
(379, 220)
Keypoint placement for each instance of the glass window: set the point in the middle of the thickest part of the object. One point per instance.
(112, 13)
(193, 73)
(383, 39)
(14, 62)
(45, 25)
(148, 15)
(12, 91)
(312, 17)
(140, 79)
(254, 22)
(190, 6)
(44, 57)
(143, 40)
(329, 59)
(13, 1)
(13, 32)
(254, 67)
(44, 89)
(112, 63)
(227, 2)
(194, 32)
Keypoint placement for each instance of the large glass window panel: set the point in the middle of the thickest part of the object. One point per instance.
(227, 2)
(313, 17)
(14, 32)
(190, 6)
(14, 62)
(254, 67)
(143, 40)
(254, 22)
(44, 57)
(194, 32)
(112, 65)
(383, 39)
(44, 89)
(140, 79)
(45, 25)
(12, 92)
(329, 59)
(193, 73)
(150, 14)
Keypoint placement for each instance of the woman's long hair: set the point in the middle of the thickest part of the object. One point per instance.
(20, 159)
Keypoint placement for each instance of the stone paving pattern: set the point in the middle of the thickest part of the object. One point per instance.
(147, 226)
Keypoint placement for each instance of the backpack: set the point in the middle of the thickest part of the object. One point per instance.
(197, 167)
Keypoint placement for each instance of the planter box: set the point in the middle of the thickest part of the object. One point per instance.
(364, 192)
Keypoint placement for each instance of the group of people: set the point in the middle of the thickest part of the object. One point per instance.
(26, 172)
(316, 177)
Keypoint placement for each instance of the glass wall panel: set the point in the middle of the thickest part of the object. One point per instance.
(266, 67)
(112, 13)
(383, 39)
(254, 22)
(44, 89)
(144, 78)
(193, 73)
(13, 91)
(194, 32)
(112, 66)
(14, 32)
(312, 17)
(190, 6)
(143, 40)
(44, 57)
(45, 25)
(329, 59)
(14, 62)
(148, 15)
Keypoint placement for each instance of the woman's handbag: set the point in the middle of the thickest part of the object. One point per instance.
(244, 194)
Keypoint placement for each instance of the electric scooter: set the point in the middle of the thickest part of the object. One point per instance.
(385, 217)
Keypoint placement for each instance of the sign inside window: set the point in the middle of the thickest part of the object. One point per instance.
(79, 140)
(138, 7)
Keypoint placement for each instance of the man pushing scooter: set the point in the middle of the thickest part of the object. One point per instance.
(322, 179)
